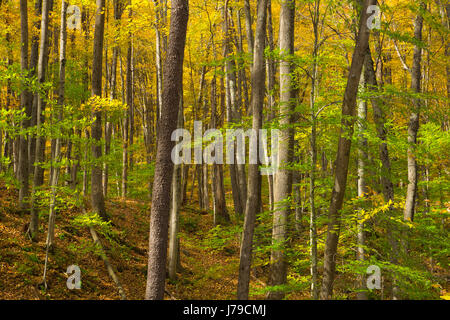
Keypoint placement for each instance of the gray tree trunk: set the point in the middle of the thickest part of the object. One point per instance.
(40, 141)
(413, 126)
(174, 251)
(343, 153)
(25, 103)
(253, 204)
(159, 216)
(97, 199)
(283, 177)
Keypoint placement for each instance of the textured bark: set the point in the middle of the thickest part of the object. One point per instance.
(283, 177)
(253, 204)
(343, 153)
(159, 216)
(97, 199)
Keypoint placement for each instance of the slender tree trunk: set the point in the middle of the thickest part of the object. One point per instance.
(159, 71)
(159, 216)
(343, 153)
(413, 126)
(25, 103)
(97, 199)
(283, 177)
(40, 141)
(220, 206)
(174, 256)
(362, 188)
(313, 156)
(248, 27)
(270, 66)
(253, 204)
(230, 72)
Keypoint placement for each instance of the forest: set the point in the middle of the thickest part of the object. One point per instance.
(224, 149)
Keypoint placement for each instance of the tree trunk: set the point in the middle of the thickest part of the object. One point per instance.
(25, 103)
(283, 177)
(362, 188)
(220, 206)
(343, 153)
(97, 199)
(230, 71)
(175, 206)
(413, 126)
(380, 121)
(40, 141)
(253, 204)
(159, 216)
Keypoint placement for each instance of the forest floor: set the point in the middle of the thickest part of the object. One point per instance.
(206, 273)
(209, 256)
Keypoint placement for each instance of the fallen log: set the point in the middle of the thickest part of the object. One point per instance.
(107, 263)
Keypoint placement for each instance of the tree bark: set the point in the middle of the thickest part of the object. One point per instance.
(362, 187)
(40, 141)
(253, 204)
(283, 177)
(413, 126)
(174, 248)
(343, 153)
(159, 216)
(97, 199)
(25, 103)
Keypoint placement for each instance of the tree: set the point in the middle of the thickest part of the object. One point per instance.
(413, 126)
(25, 103)
(40, 140)
(253, 204)
(159, 215)
(283, 177)
(343, 153)
(97, 199)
